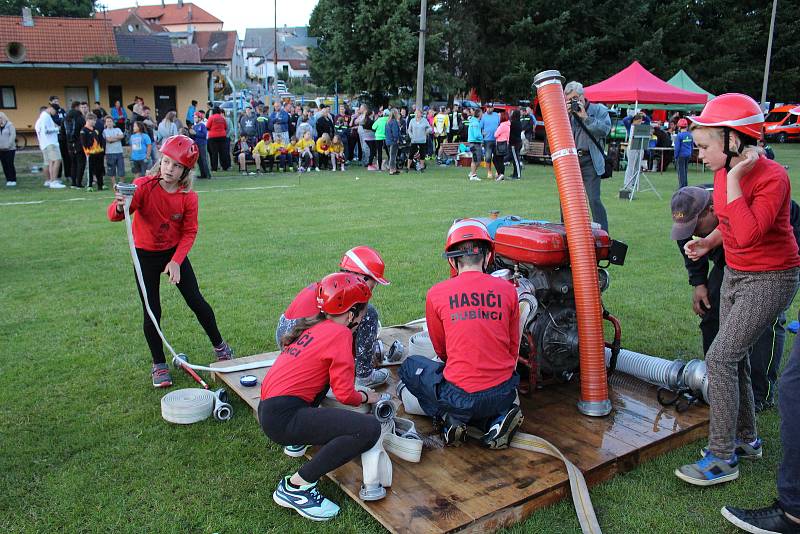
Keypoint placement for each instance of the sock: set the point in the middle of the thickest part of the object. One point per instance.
(222, 346)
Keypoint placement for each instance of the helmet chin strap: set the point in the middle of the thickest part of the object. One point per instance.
(726, 148)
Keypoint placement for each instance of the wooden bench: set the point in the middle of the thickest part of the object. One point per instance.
(448, 149)
(534, 150)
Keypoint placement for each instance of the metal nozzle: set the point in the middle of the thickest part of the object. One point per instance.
(126, 189)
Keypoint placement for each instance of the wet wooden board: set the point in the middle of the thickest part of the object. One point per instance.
(471, 489)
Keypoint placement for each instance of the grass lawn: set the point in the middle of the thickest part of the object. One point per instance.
(84, 448)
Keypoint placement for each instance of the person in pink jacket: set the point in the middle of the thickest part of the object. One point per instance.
(501, 136)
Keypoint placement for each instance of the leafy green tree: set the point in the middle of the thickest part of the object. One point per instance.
(49, 8)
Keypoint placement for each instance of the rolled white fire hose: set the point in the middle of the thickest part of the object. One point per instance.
(190, 405)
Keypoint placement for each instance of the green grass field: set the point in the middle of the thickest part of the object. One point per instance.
(84, 448)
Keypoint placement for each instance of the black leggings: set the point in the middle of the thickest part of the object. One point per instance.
(499, 162)
(343, 434)
(153, 264)
(371, 145)
(379, 144)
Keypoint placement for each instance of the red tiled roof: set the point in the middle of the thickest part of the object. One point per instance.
(58, 39)
(170, 14)
(298, 64)
(216, 46)
(186, 53)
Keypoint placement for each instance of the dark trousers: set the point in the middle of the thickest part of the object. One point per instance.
(499, 163)
(789, 408)
(153, 264)
(217, 154)
(439, 398)
(682, 164)
(452, 136)
(439, 140)
(379, 144)
(66, 161)
(354, 148)
(7, 161)
(514, 148)
(202, 161)
(591, 182)
(96, 170)
(77, 163)
(765, 354)
(371, 146)
(343, 434)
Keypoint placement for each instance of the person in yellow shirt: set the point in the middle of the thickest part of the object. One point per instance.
(307, 150)
(337, 153)
(293, 156)
(279, 153)
(323, 150)
(263, 155)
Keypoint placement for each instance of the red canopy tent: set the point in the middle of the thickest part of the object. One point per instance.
(637, 84)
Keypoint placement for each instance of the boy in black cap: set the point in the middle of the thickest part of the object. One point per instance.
(693, 215)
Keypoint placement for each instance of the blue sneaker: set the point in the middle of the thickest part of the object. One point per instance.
(503, 429)
(305, 500)
(295, 451)
(709, 471)
(744, 450)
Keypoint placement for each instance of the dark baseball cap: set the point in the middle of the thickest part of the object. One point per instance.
(687, 205)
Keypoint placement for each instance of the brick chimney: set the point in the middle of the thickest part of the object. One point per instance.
(27, 18)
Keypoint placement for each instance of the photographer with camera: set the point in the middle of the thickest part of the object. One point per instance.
(590, 125)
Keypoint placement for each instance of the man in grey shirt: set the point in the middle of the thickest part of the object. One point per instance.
(592, 160)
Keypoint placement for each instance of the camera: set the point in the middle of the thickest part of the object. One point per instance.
(574, 105)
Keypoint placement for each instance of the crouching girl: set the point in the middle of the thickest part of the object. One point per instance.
(317, 352)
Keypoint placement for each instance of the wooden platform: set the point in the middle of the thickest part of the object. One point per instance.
(472, 489)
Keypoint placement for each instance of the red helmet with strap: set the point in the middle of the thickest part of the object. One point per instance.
(338, 292)
(182, 149)
(735, 111)
(365, 260)
(463, 231)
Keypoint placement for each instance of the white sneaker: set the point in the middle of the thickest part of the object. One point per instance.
(474, 178)
(47, 183)
(500, 178)
(57, 185)
(11, 184)
(316, 169)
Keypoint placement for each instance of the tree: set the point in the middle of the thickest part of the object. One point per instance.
(49, 8)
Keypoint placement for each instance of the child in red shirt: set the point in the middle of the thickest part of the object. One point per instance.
(317, 352)
(752, 201)
(164, 230)
(473, 323)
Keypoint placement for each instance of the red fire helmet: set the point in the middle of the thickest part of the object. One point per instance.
(365, 260)
(462, 231)
(338, 292)
(733, 110)
(182, 149)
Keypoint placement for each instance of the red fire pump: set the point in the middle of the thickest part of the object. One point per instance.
(535, 256)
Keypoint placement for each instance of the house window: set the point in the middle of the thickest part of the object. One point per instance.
(8, 97)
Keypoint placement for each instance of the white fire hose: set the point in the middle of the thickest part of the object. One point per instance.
(187, 406)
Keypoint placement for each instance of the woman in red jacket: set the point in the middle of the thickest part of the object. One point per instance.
(752, 202)
(164, 229)
(316, 353)
(217, 135)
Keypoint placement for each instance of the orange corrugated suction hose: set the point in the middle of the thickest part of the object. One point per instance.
(594, 389)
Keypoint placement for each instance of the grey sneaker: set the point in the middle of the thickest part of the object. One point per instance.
(502, 429)
(161, 376)
(295, 451)
(709, 471)
(377, 377)
(744, 450)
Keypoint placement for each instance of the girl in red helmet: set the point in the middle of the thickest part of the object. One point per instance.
(684, 144)
(318, 352)
(164, 230)
(752, 201)
(366, 264)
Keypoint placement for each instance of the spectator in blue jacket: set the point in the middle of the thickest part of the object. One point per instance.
(475, 140)
(489, 123)
(279, 123)
(200, 136)
(683, 152)
(393, 140)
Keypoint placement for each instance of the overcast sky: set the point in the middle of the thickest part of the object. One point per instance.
(241, 14)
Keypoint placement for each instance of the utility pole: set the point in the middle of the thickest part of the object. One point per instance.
(769, 54)
(275, 55)
(423, 12)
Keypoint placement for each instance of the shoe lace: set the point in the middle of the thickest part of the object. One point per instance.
(315, 495)
(160, 372)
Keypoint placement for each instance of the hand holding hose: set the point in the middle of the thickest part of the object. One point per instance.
(119, 198)
(372, 396)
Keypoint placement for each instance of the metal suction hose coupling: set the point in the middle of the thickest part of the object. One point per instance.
(222, 410)
(384, 409)
(126, 190)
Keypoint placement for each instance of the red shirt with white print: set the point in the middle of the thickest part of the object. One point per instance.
(321, 356)
(473, 323)
(162, 220)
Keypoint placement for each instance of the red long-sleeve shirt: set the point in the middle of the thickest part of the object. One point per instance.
(304, 304)
(473, 323)
(756, 232)
(162, 220)
(217, 127)
(322, 355)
